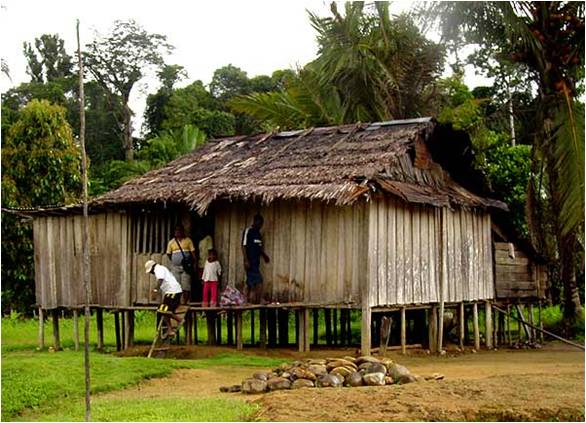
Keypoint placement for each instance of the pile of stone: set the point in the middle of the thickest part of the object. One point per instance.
(329, 373)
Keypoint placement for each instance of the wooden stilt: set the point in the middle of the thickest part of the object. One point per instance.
(130, 326)
(56, 338)
(365, 330)
(530, 321)
(475, 323)
(508, 325)
(218, 328)
(540, 324)
(304, 338)
(251, 327)
(211, 326)
(239, 330)
(283, 322)
(229, 325)
(297, 342)
(328, 319)
(432, 329)
(315, 315)
(343, 336)
(195, 340)
(272, 327)
(123, 330)
(349, 326)
(41, 328)
(335, 326)
(117, 330)
(440, 328)
(188, 329)
(100, 328)
(520, 317)
(462, 324)
(488, 328)
(263, 328)
(76, 329)
(403, 331)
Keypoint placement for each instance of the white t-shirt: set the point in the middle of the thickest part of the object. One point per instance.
(170, 284)
(212, 271)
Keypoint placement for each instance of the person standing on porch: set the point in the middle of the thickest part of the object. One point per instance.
(171, 291)
(212, 276)
(181, 252)
(252, 251)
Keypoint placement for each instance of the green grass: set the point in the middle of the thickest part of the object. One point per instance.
(156, 410)
(31, 379)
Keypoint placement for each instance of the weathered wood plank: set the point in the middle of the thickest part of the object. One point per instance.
(417, 256)
(382, 250)
(369, 299)
(392, 253)
(400, 255)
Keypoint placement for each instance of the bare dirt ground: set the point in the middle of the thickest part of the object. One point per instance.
(505, 385)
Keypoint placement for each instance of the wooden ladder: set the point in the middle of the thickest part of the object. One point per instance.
(161, 343)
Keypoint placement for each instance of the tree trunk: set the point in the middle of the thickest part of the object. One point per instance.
(127, 132)
(572, 306)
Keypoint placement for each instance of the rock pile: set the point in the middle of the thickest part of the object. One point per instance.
(329, 373)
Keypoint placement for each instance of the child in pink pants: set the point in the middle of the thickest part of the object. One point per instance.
(211, 276)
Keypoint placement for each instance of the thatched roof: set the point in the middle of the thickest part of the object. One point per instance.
(340, 164)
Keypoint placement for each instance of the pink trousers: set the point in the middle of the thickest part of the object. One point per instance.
(210, 293)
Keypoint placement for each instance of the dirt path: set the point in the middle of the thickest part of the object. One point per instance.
(504, 385)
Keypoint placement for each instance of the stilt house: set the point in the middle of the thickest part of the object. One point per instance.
(375, 217)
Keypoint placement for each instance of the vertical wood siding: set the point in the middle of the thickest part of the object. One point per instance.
(405, 254)
(318, 252)
(58, 258)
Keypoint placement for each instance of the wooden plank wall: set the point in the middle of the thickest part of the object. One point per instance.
(404, 253)
(318, 251)
(516, 276)
(58, 260)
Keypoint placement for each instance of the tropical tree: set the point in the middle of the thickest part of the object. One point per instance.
(40, 167)
(370, 67)
(546, 39)
(48, 60)
(120, 59)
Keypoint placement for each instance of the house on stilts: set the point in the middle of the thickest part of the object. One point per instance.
(364, 219)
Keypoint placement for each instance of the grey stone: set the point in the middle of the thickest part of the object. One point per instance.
(376, 368)
(233, 388)
(342, 371)
(354, 379)
(365, 359)
(318, 369)
(261, 376)
(396, 371)
(302, 373)
(340, 363)
(330, 380)
(407, 379)
(374, 379)
(277, 383)
(302, 383)
(254, 386)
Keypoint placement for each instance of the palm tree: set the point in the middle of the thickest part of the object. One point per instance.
(547, 40)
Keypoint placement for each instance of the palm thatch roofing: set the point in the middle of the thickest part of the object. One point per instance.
(340, 164)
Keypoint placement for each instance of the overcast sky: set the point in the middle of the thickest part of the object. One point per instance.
(257, 36)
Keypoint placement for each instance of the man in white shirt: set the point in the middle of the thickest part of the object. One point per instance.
(171, 290)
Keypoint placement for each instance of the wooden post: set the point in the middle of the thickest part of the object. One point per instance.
(343, 335)
(56, 339)
(443, 277)
(100, 328)
(365, 335)
(130, 328)
(41, 328)
(488, 324)
(194, 326)
(432, 329)
(540, 324)
(297, 342)
(304, 338)
(335, 326)
(462, 323)
(328, 319)
(508, 325)
(218, 328)
(211, 325)
(349, 328)
(263, 328)
(117, 330)
(229, 324)
(530, 321)
(403, 332)
(272, 326)
(239, 330)
(283, 322)
(519, 324)
(476, 330)
(252, 327)
(123, 330)
(315, 314)
(188, 330)
(76, 329)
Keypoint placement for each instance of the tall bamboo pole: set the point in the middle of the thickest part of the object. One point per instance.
(85, 235)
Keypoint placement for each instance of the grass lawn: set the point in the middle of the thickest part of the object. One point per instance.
(55, 382)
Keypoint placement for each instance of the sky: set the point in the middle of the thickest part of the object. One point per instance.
(257, 36)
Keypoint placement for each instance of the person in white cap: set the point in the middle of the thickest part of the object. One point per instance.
(171, 290)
